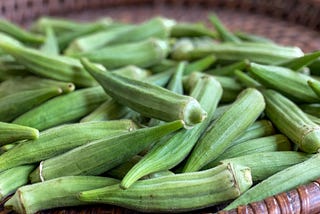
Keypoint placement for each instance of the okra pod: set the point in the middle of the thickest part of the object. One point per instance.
(175, 84)
(162, 66)
(248, 37)
(313, 109)
(147, 99)
(255, 52)
(260, 165)
(271, 143)
(101, 155)
(52, 142)
(120, 171)
(231, 88)
(143, 54)
(16, 104)
(226, 128)
(224, 34)
(19, 33)
(60, 192)
(12, 179)
(63, 109)
(284, 180)
(191, 30)
(133, 72)
(160, 79)
(292, 121)
(300, 62)
(228, 70)
(167, 154)
(200, 65)
(290, 83)
(18, 84)
(163, 194)
(315, 86)
(246, 80)
(50, 45)
(54, 67)
(10, 133)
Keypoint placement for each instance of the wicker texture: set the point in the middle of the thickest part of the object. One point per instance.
(294, 22)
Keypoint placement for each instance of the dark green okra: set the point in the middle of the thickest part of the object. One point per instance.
(188, 49)
(181, 29)
(143, 54)
(315, 86)
(292, 121)
(60, 192)
(101, 155)
(52, 142)
(65, 108)
(282, 181)
(18, 84)
(12, 179)
(290, 83)
(147, 99)
(153, 28)
(223, 33)
(10, 133)
(271, 143)
(265, 164)
(226, 128)
(163, 194)
(171, 152)
(19, 33)
(14, 105)
(54, 67)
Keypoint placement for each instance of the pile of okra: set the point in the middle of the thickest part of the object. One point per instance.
(159, 116)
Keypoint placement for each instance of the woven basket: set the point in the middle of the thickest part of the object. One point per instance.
(294, 23)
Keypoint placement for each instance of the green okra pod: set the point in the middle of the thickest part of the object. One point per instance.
(260, 165)
(10, 133)
(163, 194)
(54, 67)
(175, 84)
(147, 99)
(313, 109)
(292, 84)
(62, 109)
(181, 29)
(315, 86)
(282, 181)
(167, 154)
(19, 33)
(224, 34)
(101, 155)
(300, 62)
(200, 65)
(120, 171)
(52, 142)
(255, 52)
(246, 80)
(226, 128)
(271, 143)
(228, 70)
(12, 179)
(153, 28)
(18, 84)
(50, 45)
(133, 72)
(143, 54)
(292, 121)
(14, 105)
(160, 79)
(163, 65)
(60, 192)
(231, 88)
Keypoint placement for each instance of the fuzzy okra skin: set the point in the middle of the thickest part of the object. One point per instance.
(260, 165)
(61, 68)
(271, 143)
(292, 121)
(282, 181)
(60, 139)
(237, 118)
(12, 179)
(168, 154)
(59, 192)
(147, 99)
(292, 84)
(14, 105)
(62, 109)
(177, 193)
(101, 155)
(10, 133)
(14, 85)
(143, 54)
